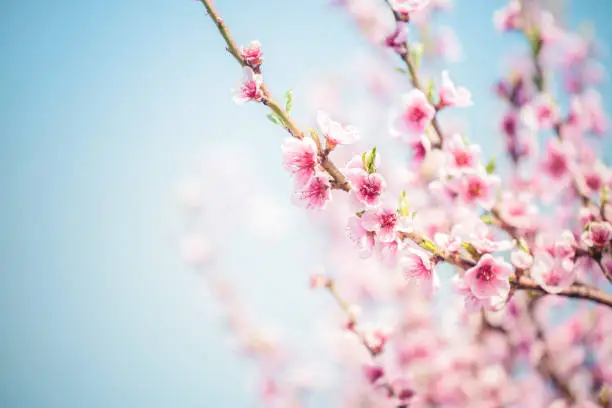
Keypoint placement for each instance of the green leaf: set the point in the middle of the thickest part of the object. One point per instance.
(491, 166)
(487, 219)
(401, 70)
(416, 54)
(430, 89)
(288, 101)
(404, 206)
(369, 161)
(523, 245)
(429, 246)
(272, 118)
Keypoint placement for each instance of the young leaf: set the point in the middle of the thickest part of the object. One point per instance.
(491, 166)
(430, 91)
(401, 70)
(288, 101)
(404, 206)
(416, 53)
(272, 118)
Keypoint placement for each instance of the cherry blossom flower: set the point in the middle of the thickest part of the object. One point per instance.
(509, 17)
(416, 114)
(448, 242)
(450, 95)
(250, 89)
(382, 221)
(478, 187)
(300, 158)
(315, 194)
(252, 54)
(473, 303)
(373, 373)
(521, 259)
(551, 273)
(489, 278)
(408, 6)
(387, 252)
(597, 234)
(556, 161)
(541, 113)
(397, 39)
(417, 265)
(420, 147)
(595, 176)
(334, 132)
(460, 156)
(362, 238)
(367, 188)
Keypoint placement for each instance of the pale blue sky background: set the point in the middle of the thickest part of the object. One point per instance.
(104, 105)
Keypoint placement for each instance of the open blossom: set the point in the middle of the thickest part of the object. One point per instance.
(521, 259)
(315, 194)
(419, 266)
(252, 54)
(459, 155)
(334, 132)
(541, 113)
(481, 238)
(387, 252)
(451, 95)
(373, 373)
(362, 238)
(556, 162)
(382, 221)
(408, 6)
(509, 17)
(420, 147)
(250, 88)
(416, 113)
(597, 234)
(551, 273)
(367, 188)
(478, 187)
(489, 277)
(595, 176)
(472, 302)
(300, 158)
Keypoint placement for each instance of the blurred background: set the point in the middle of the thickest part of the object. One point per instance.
(107, 108)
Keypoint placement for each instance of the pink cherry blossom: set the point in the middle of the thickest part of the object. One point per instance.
(373, 372)
(489, 277)
(362, 238)
(478, 187)
(382, 221)
(367, 188)
(550, 273)
(521, 259)
(541, 113)
(598, 234)
(450, 95)
(408, 6)
(556, 162)
(509, 17)
(471, 302)
(420, 147)
(250, 89)
(387, 252)
(252, 54)
(595, 176)
(448, 242)
(418, 265)
(300, 158)
(315, 194)
(460, 156)
(397, 39)
(334, 132)
(416, 114)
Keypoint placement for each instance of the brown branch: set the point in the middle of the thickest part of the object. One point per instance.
(339, 181)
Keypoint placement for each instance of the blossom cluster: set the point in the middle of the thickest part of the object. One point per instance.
(521, 244)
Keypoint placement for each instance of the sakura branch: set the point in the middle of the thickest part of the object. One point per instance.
(456, 209)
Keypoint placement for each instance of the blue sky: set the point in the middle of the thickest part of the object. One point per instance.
(106, 106)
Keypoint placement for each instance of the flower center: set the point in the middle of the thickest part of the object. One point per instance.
(475, 188)
(369, 189)
(485, 273)
(388, 220)
(416, 114)
(462, 158)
